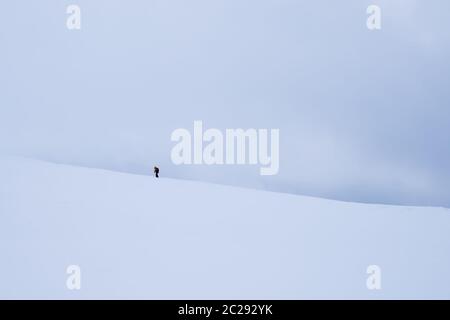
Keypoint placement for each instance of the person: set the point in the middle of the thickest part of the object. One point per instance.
(156, 171)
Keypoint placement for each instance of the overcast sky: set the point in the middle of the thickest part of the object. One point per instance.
(363, 115)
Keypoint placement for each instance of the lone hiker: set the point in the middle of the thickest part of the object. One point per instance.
(156, 171)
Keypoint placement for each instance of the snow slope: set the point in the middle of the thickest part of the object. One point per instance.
(138, 237)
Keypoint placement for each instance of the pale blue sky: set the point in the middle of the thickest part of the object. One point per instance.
(363, 115)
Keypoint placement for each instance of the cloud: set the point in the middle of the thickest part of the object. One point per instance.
(363, 116)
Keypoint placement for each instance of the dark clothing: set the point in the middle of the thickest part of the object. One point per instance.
(156, 172)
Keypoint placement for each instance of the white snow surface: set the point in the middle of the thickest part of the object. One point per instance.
(138, 237)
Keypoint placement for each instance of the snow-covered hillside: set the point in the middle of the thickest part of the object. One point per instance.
(138, 237)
